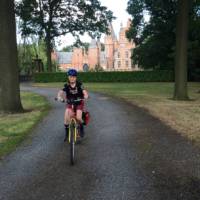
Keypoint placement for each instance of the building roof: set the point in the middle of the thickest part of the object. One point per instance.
(112, 32)
(64, 57)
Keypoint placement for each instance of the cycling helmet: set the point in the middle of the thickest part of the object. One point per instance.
(72, 72)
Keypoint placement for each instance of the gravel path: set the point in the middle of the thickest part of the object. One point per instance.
(127, 154)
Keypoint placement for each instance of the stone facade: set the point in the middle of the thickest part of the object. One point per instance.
(115, 57)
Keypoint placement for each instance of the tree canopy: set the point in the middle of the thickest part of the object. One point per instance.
(156, 38)
(52, 18)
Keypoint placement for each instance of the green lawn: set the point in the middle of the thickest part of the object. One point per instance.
(184, 116)
(15, 127)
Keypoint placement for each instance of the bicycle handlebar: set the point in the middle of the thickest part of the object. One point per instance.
(69, 101)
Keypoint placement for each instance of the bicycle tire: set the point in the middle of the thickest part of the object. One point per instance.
(72, 143)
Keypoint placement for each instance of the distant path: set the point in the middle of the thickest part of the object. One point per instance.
(127, 155)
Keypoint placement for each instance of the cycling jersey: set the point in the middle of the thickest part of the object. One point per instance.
(73, 93)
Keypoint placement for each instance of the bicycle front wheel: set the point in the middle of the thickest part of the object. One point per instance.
(72, 144)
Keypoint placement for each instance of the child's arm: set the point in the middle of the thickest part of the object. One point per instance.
(85, 94)
(61, 95)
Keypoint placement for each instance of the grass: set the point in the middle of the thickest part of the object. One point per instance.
(15, 127)
(183, 116)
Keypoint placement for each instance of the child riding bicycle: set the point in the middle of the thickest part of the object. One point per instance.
(73, 90)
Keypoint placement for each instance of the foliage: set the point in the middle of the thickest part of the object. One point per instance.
(102, 47)
(29, 50)
(83, 45)
(155, 39)
(55, 66)
(68, 48)
(98, 68)
(139, 76)
(52, 18)
(25, 56)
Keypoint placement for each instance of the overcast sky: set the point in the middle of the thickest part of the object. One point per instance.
(119, 10)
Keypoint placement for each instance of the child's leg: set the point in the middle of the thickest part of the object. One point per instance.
(79, 116)
(67, 117)
(80, 120)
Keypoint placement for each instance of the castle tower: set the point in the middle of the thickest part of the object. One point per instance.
(123, 53)
(110, 42)
(93, 54)
(99, 51)
(78, 58)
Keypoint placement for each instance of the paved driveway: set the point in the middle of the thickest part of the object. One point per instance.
(127, 154)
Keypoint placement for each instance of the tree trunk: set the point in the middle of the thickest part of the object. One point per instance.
(180, 90)
(48, 52)
(9, 80)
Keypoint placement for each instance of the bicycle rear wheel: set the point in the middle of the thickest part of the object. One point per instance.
(72, 144)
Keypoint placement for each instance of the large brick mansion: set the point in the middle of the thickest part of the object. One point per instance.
(115, 56)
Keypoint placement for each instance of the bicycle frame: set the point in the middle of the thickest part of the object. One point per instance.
(73, 121)
(73, 130)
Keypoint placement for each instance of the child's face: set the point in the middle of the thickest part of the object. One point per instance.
(72, 79)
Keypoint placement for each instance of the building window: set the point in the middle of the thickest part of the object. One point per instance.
(127, 63)
(119, 64)
(115, 64)
(127, 54)
(118, 55)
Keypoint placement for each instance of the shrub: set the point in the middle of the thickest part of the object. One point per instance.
(137, 76)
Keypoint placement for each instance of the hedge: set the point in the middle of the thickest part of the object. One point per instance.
(137, 76)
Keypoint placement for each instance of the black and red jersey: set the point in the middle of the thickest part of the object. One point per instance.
(73, 93)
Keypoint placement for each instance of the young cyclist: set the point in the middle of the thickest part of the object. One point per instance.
(73, 90)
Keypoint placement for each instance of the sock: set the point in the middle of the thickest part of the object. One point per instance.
(66, 131)
(66, 126)
(82, 130)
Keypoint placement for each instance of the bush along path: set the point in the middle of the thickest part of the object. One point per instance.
(136, 76)
(127, 154)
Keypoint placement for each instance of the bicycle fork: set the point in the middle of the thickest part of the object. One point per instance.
(74, 126)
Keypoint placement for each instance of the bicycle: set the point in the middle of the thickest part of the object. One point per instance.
(74, 129)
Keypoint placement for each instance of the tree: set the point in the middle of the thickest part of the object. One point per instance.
(180, 91)
(9, 80)
(28, 50)
(194, 42)
(155, 39)
(83, 45)
(68, 48)
(53, 18)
